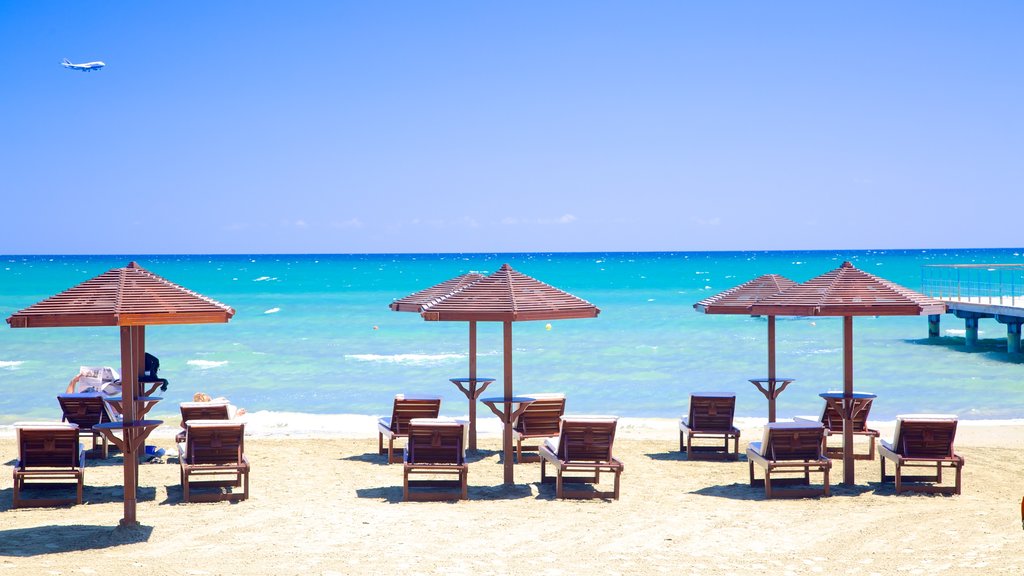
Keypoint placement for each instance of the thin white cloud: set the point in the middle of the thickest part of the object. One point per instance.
(351, 223)
(561, 220)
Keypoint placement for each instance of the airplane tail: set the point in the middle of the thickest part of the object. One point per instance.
(66, 62)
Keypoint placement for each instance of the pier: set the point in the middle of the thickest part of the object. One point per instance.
(976, 291)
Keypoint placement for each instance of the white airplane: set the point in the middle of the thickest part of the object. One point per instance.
(87, 67)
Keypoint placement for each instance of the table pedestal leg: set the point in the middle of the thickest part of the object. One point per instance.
(472, 394)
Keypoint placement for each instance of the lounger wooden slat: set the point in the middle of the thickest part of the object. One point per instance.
(922, 441)
(790, 448)
(200, 411)
(48, 452)
(584, 446)
(214, 449)
(710, 416)
(86, 410)
(405, 408)
(435, 448)
(541, 419)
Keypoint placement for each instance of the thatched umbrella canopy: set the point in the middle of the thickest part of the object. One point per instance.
(738, 300)
(848, 292)
(130, 298)
(417, 301)
(508, 296)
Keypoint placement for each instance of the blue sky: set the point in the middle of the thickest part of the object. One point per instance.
(270, 127)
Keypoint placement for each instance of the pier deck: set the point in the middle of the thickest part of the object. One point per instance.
(975, 291)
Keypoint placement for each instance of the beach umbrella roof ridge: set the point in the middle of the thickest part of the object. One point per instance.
(848, 291)
(128, 296)
(737, 300)
(508, 295)
(417, 301)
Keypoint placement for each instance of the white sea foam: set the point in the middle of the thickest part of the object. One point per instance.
(264, 279)
(11, 364)
(960, 332)
(410, 359)
(272, 311)
(207, 364)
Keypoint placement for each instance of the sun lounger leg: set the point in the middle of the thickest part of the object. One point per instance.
(558, 485)
(938, 472)
(827, 492)
(768, 483)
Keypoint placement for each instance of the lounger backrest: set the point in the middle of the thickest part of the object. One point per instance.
(203, 411)
(543, 416)
(85, 409)
(435, 441)
(712, 410)
(214, 441)
(833, 420)
(925, 436)
(792, 441)
(408, 407)
(586, 439)
(53, 446)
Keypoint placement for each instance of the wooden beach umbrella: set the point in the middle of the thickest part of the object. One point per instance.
(417, 301)
(848, 292)
(130, 298)
(738, 300)
(508, 296)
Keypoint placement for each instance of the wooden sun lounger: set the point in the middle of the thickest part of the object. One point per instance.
(540, 420)
(584, 444)
(48, 451)
(922, 441)
(711, 416)
(435, 448)
(87, 409)
(214, 448)
(201, 411)
(404, 409)
(790, 448)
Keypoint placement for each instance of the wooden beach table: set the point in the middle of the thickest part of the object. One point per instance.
(508, 415)
(771, 387)
(472, 393)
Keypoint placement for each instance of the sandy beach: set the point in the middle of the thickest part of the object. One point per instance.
(330, 505)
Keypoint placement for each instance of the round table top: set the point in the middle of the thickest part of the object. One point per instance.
(514, 399)
(122, 425)
(467, 379)
(772, 380)
(138, 399)
(855, 395)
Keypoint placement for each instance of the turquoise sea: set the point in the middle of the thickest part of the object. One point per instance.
(313, 334)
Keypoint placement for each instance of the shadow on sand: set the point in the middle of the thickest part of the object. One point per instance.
(90, 494)
(744, 491)
(676, 456)
(393, 494)
(40, 540)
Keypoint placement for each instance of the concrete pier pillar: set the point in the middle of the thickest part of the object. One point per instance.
(1013, 337)
(971, 332)
(933, 325)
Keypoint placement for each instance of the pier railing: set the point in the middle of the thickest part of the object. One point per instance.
(999, 284)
